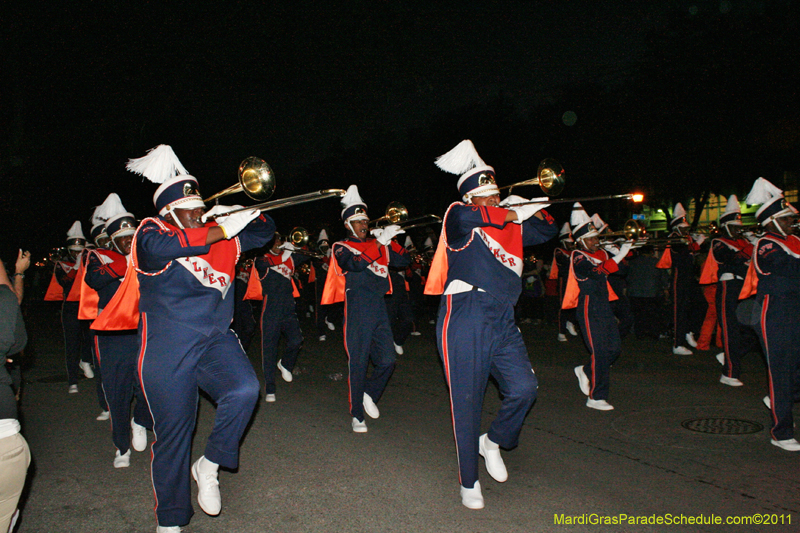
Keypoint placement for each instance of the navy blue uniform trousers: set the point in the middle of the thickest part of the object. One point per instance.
(780, 339)
(477, 337)
(77, 341)
(601, 336)
(737, 339)
(367, 337)
(117, 354)
(173, 362)
(276, 319)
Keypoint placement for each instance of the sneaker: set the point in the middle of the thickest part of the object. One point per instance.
(323, 338)
(168, 529)
(330, 325)
(681, 350)
(690, 340)
(572, 329)
(205, 474)
(583, 380)
(472, 498)
(721, 358)
(600, 405)
(73, 389)
(767, 401)
(285, 374)
(494, 461)
(790, 445)
(269, 398)
(562, 337)
(87, 369)
(138, 436)
(370, 408)
(104, 415)
(733, 382)
(122, 461)
(431, 322)
(359, 427)
(398, 349)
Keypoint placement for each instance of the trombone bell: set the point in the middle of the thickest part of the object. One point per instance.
(256, 180)
(549, 176)
(396, 213)
(299, 237)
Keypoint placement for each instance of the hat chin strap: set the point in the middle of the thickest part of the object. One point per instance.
(171, 211)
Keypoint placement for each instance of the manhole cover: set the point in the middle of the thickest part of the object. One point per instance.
(722, 426)
(58, 378)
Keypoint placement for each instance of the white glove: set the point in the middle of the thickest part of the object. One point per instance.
(623, 252)
(699, 238)
(611, 248)
(750, 236)
(524, 212)
(236, 222)
(388, 233)
(218, 210)
(288, 246)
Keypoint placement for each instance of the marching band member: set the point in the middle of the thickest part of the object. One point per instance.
(323, 315)
(76, 333)
(618, 282)
(117, 351)
(477, 269)
(773, 277)
(275, 270)
(185, 266)
(359, 276)
(680, 258)
(727, 262)
(589, 292)
(398, 305)
(560, 270)
(102, 242)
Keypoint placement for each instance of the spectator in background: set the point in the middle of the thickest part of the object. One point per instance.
(15, 455)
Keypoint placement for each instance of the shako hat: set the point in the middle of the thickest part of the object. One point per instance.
(678, 217)
(75, 238)
(733, 213)
(177, 189)
(773, 204)
(353, 207)
(582, 226)
(477, 178)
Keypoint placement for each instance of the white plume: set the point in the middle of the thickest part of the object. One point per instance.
(460, 159)
(159, 165)
(75, 231)
(762, 192)
(579, 215)
(110, 207)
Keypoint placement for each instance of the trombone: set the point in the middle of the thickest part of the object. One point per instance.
(257, 180)
(299, 237)
(634, 231)
(549, 176)
(396, 213)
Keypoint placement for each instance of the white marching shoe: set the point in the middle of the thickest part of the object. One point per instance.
(138, 436)
(168, 529)
(122, 461)
(562, 337)
(494, 461)
(721, 358)
(87, 369)
(733, 382)
(285, 374)
(359, 427)
(398, 349)
(572, 329)
(104, 415)
(583, 380)
(767, 401)
(329, 324)
(73, 389)
(205, 473)
(690, 340)
(600, 405)
(790, 445)
(681, 350)
(370, 408)
(269, 398)
(323, 338)
(472, 498)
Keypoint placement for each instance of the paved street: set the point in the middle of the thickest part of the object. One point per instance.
(303, 469)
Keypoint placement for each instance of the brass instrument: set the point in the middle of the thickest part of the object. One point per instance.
(635, 232)
(299, 237)
(256, 180)
(305, 269)
(396, 213)
(549, 176)
(635, 197)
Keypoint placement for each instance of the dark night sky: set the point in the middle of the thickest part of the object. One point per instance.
(93, 84)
